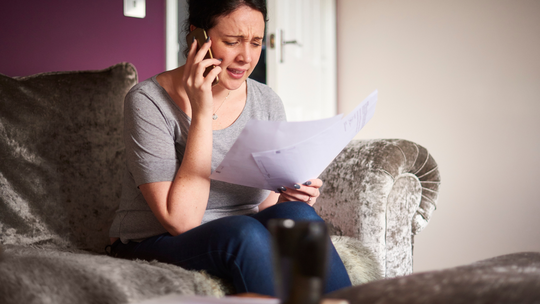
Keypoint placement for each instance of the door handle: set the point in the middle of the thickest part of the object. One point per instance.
(290, 42)
(283, 43)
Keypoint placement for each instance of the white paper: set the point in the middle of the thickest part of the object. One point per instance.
(271, 154)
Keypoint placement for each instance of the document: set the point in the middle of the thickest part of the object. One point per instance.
(272, 154)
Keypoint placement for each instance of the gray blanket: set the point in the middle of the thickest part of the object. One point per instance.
(508, 279)
(40, 274)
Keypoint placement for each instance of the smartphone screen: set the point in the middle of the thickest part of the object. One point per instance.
(200, 36)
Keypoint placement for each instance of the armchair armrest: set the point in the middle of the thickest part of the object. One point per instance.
(382, 192)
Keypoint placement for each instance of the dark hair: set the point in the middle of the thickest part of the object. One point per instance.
(203, 13)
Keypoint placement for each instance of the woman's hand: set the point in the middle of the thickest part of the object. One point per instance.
(198, 87)
(180, 205)
(307, 192)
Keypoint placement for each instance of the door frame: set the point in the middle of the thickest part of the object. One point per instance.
(172, 45)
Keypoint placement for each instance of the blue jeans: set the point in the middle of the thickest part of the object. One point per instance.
(236, 248)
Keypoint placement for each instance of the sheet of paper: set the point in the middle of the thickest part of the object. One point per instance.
(270, 154)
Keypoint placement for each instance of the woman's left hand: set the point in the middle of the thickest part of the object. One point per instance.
(307, 192)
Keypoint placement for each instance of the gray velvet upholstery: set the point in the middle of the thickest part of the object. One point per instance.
(61, 155)
(61, 150)
(508, 279)
(382, 192)
(39, 274)
(30, 274)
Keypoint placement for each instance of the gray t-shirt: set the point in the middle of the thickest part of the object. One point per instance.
(155, 133)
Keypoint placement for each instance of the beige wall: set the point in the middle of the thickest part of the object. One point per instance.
(461, 78)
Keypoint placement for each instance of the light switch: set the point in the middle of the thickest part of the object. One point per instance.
(135, 8)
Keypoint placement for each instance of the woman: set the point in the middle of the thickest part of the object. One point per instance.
(178, 128)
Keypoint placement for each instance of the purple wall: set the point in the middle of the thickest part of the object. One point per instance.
(41, 36)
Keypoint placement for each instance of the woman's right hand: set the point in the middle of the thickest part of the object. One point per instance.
(198, 87)
(180, 205)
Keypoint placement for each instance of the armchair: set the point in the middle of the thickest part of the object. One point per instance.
(61, 155)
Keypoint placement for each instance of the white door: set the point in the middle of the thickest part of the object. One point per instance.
(301, 56)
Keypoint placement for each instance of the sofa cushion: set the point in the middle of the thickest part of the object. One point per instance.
(62, 153)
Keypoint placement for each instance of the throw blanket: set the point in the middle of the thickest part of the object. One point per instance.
(508, 279)
(32, 274)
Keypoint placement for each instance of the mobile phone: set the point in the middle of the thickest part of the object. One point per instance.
(201, 36)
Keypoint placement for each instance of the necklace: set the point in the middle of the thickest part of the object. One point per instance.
(215, 117)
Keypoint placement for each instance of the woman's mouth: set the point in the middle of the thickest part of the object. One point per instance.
(236, 73)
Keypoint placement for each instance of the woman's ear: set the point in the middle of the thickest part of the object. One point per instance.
(192, 27)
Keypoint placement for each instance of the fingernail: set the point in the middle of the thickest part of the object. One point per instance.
(282, 189)
(207, 38)
(193, 40)
(219, 59)
(296, 186)
(307, 183)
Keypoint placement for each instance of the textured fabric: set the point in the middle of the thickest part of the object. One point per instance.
(508, 279)
(155, 138)
(37, 274)
(61, 156)
(382, 192)
(31, 274)
(361, 264)
(403, 202)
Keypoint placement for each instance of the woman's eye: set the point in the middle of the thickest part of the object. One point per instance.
(230, 43)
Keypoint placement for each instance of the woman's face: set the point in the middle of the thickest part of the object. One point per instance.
(237, 39)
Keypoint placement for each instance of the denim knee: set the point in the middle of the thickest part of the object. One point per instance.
(247, 231)
(304, 212)
(298, 211)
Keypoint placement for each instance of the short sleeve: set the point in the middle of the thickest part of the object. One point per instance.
(278, 110)
(266, 103)
(149, 140)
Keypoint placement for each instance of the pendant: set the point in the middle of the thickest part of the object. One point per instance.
(214, 117)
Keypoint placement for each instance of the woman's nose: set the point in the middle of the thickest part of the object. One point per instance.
(245, 54)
